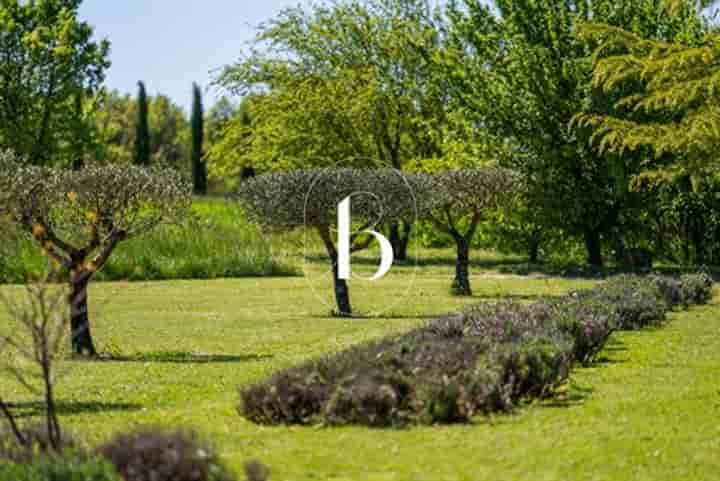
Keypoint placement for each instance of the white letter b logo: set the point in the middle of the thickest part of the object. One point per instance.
(386, 251)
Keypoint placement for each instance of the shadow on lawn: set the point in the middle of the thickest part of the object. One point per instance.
(179, 357)
(31, 409)
(574, 396)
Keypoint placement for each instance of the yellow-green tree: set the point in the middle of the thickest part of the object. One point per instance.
(49, 63)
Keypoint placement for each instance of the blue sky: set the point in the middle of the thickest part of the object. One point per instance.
(171, 43)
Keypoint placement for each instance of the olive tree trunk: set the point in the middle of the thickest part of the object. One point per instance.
(82, 342)
(593, 244)
(399, 239)
(461, 284)
(340, 286)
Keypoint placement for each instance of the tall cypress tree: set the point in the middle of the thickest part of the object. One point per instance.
(142, 132)
(199, 168)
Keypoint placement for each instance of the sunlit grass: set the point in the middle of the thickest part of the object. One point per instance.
(647, 411)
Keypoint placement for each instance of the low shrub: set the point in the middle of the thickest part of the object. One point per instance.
(373, 399)
(292, 396)
(60, 468)
(158, 455)
(636, 302)
(588, 323)
(670, 289)
(485, 359)
(533, 367)
(696, 289)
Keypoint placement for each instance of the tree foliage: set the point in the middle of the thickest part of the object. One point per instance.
(526, 73)
(113, 122)
(461, 199)
(344, 81)
(49, 64)
(309, 199)
(80, 216)
(199, 169)
(673, 109)
(142, 128)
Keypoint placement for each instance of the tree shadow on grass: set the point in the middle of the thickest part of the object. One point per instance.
(573, 396)
(180, 357)
(31, 409)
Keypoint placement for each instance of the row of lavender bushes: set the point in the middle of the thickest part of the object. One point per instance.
(486, 359)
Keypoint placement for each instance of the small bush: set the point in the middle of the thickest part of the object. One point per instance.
(60, 468)
(636, 302)
(535, 367)
(696, 289)
(292, 397)
(588, 323)
(670, 289)
(158, 455)
(372, 399)
(446, 402)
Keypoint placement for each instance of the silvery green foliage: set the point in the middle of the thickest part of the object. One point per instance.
(474, 191)
(80, 210)
(288, 200)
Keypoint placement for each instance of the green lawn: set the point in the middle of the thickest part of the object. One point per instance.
(649, 411)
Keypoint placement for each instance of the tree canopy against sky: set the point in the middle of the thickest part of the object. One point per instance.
(526, 73)
(49, 65)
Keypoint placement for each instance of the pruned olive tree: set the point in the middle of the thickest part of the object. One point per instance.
(80, 216)
(310, 199)
(461, 200)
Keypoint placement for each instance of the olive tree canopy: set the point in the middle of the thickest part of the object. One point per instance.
(461, 200)
(310, 198)
(80, 216)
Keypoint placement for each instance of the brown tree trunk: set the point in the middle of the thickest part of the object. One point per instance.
(593, 245)
(461, 284)
(534, 247)
(342, 293)
(399, 239)
(82, 342)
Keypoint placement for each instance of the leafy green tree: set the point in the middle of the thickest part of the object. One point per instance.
(353, 82)
(49, 63)
(674, 109)
(199, 169)
(228, 130)
(526, 73)
(142, 128)
(113, 122)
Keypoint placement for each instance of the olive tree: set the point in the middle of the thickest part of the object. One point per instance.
(310, 198)
(80, 216)
(461, 200)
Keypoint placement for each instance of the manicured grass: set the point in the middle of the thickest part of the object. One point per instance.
(648, 411)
